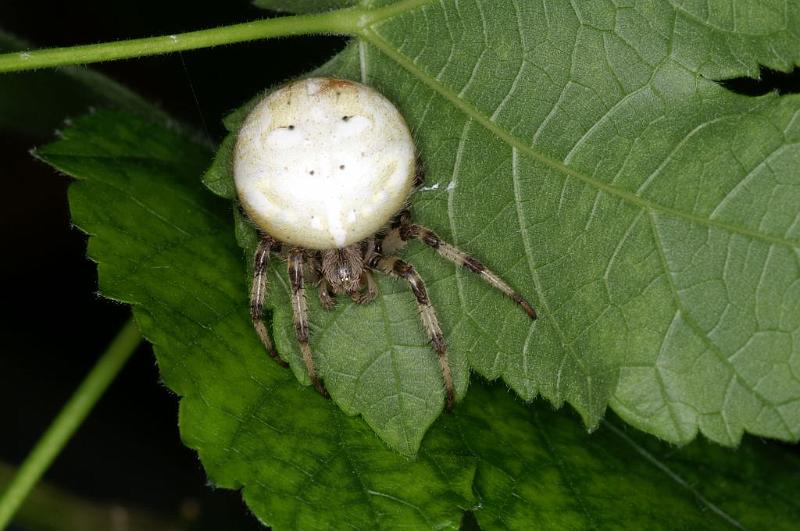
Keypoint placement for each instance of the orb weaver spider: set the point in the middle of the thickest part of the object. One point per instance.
(323, 168)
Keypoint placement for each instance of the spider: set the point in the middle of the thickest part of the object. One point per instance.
(323, 168)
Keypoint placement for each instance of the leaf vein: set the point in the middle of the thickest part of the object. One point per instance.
(559, 166)
(673, 475)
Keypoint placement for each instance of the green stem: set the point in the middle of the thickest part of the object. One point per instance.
(71, 416)
(344, 21)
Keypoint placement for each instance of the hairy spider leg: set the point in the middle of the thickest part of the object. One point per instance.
(368, 287)
(399, 235)
(300, 312)
(326, 295)
(258, 293)
(395, 267)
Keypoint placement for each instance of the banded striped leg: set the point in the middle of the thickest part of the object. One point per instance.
(393, 266)
(300, 312)
(457, 256)
(258, 293)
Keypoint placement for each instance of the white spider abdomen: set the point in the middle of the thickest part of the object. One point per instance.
(323, 163)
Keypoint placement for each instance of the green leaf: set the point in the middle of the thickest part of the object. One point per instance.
(35, 103)
(165, 245)
(585, 153)
(538, 470)
(303, 6)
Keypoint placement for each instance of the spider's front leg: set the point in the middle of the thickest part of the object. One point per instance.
(403, 230)
(368, 288)
(258, 293)
(394, 266)
(300, 313)
(326, 295)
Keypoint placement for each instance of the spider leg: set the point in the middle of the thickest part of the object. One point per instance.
(370, 289)
(326, 296)
(300, 312)
(367, 281)
(258, 293)
(395, 267)
(407, 231)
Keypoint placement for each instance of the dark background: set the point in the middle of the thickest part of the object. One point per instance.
(53, 326)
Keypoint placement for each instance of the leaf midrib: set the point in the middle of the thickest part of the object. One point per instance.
(370, 35)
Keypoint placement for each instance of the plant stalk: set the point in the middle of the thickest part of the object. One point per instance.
(68, 420)
(344, 21)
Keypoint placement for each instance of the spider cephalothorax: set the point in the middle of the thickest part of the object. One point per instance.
(343, 268)
(323, 167)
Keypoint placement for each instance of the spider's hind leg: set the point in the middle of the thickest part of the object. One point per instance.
(406, 231)
(300, 312)
(258, 293)
(393, 266)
